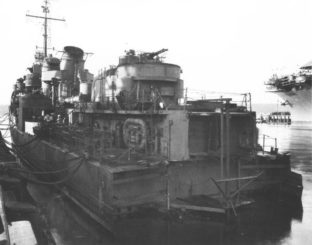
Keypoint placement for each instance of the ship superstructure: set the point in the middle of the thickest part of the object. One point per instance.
(130, 139)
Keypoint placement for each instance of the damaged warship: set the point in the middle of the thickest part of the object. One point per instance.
(130, 139)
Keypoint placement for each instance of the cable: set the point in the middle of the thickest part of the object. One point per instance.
(47, 172)
(18, 150)
(21, 145)
(58, 181)
(49, 162)
(21, 154)
(76, 167)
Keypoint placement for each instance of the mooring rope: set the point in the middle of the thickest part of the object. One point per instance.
(18, 150)
(21, 145)
(62, 181)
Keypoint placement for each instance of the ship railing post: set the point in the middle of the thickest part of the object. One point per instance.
(244, 100)
(143, 97)
(222, 169)
(227, 169)
(221, 143)
(239, 182)
(185, 98)
(169, 143)
(167, 188)
(129, 151)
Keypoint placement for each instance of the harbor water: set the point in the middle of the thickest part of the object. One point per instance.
(296, 139)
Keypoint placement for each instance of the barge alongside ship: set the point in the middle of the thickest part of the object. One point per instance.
(130, 139)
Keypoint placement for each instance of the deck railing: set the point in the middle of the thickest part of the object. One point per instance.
(241, 99)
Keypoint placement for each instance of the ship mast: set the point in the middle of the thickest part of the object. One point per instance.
(45, 10)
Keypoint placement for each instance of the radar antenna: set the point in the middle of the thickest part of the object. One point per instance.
(45, 10)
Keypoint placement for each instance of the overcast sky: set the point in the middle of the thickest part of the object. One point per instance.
(221, 45)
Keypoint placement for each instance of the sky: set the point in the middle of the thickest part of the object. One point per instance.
(221, 45)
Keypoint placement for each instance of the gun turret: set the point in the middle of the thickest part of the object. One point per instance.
(153, 54)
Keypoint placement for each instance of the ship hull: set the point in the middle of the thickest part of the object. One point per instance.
(107, 194)
(300, 103)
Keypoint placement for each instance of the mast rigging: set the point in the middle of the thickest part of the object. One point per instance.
(45, 10)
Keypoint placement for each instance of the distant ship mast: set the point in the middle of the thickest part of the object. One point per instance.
(45, 10)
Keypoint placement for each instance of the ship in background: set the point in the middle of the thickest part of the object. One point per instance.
(295, 91)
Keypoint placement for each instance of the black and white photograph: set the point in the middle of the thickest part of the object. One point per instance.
(156, 122)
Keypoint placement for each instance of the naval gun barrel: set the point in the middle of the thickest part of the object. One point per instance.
(153, 54)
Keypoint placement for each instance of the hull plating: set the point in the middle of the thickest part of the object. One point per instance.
(107, 193)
